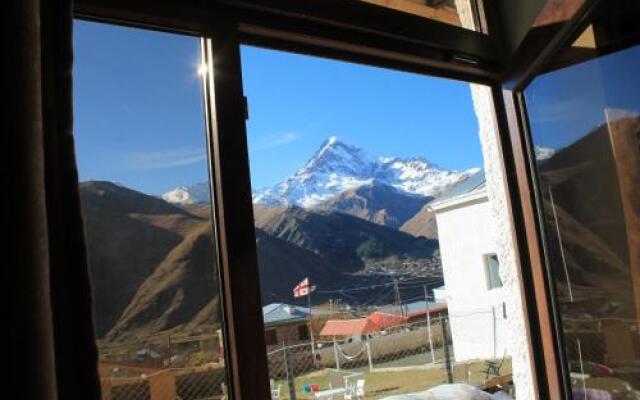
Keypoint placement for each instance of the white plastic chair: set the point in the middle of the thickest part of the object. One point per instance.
(357, 391)
(360, 388)
(275, 391)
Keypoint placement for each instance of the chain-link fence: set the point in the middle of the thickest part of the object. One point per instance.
(164, 368)
(411, 355)
(601, 354)
(406, 358)
(169, 384)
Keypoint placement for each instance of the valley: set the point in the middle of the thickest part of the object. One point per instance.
(355, 226)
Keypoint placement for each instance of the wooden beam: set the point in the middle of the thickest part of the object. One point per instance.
(443, 14)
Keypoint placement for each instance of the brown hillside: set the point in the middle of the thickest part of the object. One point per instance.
(182, 285)
(422, 224)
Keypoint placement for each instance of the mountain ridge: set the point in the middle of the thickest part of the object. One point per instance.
(335, 167)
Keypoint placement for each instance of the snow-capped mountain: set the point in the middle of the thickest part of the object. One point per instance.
(542, 153)
(192, 194)
(337, 166)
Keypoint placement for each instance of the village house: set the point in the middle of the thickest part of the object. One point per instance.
(382, 320)
(409, 313)
(285, 323)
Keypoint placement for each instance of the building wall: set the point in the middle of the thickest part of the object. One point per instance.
(518, 342)
(288, 333)
(478, 325)
(496, 187)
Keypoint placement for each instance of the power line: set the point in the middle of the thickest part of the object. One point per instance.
(415, 283)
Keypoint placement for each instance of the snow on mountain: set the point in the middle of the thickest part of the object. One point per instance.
(193, 194)
(333, 168)
(542, 153)
(415, 175)
(337, 166)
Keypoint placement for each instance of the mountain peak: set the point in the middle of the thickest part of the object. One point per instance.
(337, 166)
(335, 156)
(193, 194)
(331, 140)
(543, 153)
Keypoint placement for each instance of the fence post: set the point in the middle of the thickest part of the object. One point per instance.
(170, 356)
(335, 352)
(426, 301)
(105, 388)
(290, 378)
(369, 355)
(162, 386)
(447, 359)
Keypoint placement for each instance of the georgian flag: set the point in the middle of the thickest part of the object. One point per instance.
(303, 288)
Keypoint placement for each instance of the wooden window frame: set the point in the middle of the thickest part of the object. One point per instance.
(353, 31)
(555, 27)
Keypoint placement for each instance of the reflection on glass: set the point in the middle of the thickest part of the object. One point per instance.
(373, 229)
(440, 10)
(140, 137)
(585, 121)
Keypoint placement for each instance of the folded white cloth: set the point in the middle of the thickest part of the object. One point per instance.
(453, 391)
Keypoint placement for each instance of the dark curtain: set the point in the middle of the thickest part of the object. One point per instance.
(50, 323)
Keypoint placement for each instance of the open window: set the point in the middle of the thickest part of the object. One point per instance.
(298, 198)
(575, 113)
(372, 190)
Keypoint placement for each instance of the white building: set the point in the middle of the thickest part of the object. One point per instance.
(474, 291)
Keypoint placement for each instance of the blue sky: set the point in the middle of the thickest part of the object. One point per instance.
(568, 103)
(139, 121)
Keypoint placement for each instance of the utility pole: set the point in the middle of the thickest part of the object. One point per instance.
(428, 311)
(313, 346)
(397, 295)
(290, 378)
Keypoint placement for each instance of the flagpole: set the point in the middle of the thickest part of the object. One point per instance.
(313, 346)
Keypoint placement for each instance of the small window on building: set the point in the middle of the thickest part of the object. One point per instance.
(492, 271)
(270, 337)
(303, 332)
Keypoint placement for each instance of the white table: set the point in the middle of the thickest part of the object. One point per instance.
(329, 394)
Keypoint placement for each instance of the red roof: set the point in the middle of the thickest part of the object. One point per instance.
(386, 320)
(348, 327)
(375, 322)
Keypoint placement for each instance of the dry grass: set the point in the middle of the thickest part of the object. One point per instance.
(388, 382)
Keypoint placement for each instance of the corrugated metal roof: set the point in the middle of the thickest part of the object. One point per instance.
(472, 183)
(348, 327)
(280, 313)
(385, 320)
(410, 309)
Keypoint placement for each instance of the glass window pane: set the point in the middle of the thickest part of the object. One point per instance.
(139, 132)
(493, 271)
(372, 220)
(585, 128)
